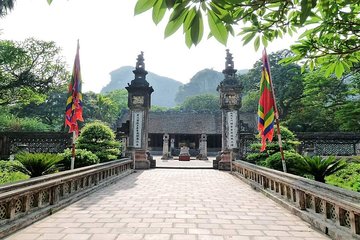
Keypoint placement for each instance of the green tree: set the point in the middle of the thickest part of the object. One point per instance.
(50, 112)
(12, 123)
(28, 70)
(207, 102)
(327, 104)
(287, 81)
(6, 6)
(330, 41)
(104, 107)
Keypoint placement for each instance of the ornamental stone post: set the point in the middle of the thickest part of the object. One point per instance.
(230, 102)
(203, 147)
(139, 102)
(166, 154)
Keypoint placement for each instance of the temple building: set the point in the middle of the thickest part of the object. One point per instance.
(186, 128)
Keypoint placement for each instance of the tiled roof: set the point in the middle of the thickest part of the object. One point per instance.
(189, 122)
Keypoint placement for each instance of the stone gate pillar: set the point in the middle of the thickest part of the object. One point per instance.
(203, 147)
(230, 103)
(139, 102)
(166, 154)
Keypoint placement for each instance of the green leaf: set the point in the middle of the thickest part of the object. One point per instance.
(306, 6)
(143, 5)
(330, 69)
(217, 28)
(174, 25)
(311, 65)
(188, 39)
(339, 69)
(247, 38)
(264, 41)
(49, 1)
(197, 28)
(189, 19)
(170, 3)
(159, 10)
(257, 43)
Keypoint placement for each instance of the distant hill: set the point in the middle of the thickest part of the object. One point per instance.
(164, 87)
(204, 81)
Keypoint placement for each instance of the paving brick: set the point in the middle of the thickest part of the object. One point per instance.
(175, 205)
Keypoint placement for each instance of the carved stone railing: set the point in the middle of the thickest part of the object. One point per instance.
(25, 202)
(332, 210)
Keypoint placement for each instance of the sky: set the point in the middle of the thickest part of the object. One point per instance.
(111, 37)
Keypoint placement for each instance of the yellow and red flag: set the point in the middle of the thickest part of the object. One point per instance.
(266, 107)
(74, 101)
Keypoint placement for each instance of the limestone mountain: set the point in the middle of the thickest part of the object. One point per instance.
(203, 82)
(164, 87)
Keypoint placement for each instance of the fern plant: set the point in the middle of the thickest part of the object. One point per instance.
(321, 167)
(38, 164)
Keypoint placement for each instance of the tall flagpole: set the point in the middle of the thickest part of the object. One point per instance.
(72, 165)
(276, 118)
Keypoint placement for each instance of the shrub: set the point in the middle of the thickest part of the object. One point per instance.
(348, 178)
(10, 177)
(293, 161)
(38, 164)
(289, 143)
(9, 122)
(83, 158)
(321, 167)
(9, 173)
(100, 140)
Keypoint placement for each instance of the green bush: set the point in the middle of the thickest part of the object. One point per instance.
(9, 122)
(293, 162)
(9, 173)
(100, 140)
(289, 143)
(83, 158)
(10, 177)
(348, 178)
(320, 167)
(38, 164)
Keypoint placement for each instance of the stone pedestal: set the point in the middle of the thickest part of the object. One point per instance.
(141, 160)
(224, 163)
(184, 154)
(216, 161)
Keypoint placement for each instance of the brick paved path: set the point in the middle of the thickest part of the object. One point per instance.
(173, 204)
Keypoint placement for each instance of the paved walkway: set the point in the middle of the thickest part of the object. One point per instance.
(175, 163)
(173, 204)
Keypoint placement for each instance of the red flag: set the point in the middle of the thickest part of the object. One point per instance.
(266, 107)
(74, 101)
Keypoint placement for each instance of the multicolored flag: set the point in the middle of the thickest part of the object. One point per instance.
(74, 101)
(266, 107)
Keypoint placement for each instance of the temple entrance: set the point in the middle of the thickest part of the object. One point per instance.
(183, 135)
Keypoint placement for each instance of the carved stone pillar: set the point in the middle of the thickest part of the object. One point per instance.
(139, 102)
(230, 100)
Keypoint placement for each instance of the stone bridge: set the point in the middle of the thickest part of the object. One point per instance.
(112, 201)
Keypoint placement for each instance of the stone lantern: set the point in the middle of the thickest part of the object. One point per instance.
(230, 103)
(139, 102)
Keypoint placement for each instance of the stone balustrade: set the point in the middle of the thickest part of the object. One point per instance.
(332, 210)
(25, 202)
